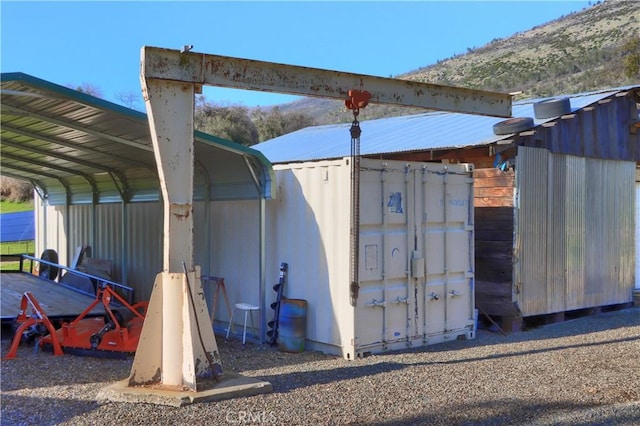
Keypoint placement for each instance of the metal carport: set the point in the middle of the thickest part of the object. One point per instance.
(79, 150)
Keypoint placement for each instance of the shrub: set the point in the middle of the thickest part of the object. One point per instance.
(15, 190)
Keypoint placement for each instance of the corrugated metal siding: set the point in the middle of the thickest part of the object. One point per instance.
(50, 230)
(142, 258)
(556, 256)
(144, 248)
(598, 256)
(574, 232)
(81, 221)
(138, 248)
(530, 267)
(108, 234)
(203, 242)
(623, 198)
(235, 255)
(200, 237)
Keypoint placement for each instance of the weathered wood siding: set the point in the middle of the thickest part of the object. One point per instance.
(493, 198)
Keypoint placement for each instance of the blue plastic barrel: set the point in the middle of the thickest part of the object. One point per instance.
(292, 325)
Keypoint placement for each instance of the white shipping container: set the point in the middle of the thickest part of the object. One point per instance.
(416, 270)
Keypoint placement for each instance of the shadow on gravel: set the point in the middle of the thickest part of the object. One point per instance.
(234, 355)
(538, 351)
(286, 382)
(71, 369)
(27, 410)
(547, 349)
(24, 370)
(575, 327)
(237, 358)
(518, 412)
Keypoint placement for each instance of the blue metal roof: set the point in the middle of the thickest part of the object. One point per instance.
(419, 132)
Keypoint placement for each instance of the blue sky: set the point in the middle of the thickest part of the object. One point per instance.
(98, 43)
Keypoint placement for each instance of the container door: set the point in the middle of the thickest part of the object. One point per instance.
(433, 234)
(387, 233)
(447, 244)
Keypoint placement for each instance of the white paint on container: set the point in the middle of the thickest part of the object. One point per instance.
(415, 257)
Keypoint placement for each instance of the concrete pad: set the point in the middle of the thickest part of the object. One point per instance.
(231, 386)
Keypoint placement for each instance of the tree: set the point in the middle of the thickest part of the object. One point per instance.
(274, 122)
(631, 57)
(268, 123)
(129, 99)
(296, 121)
(89, 89)
(232, 123)
(15, 190)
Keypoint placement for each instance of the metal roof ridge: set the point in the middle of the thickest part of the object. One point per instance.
(94, 101)
(72, 94)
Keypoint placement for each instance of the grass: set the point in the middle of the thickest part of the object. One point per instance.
(15, 266)
(16, 247)
(13, 207)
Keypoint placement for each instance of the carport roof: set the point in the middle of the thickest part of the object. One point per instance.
(76, 148)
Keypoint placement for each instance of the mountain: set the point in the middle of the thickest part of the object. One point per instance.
(576, 53)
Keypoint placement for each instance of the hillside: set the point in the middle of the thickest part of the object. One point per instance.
(575, 53)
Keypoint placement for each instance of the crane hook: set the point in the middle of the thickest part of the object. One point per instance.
(357, 99)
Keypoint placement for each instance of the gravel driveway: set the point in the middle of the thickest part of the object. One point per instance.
(583, 371)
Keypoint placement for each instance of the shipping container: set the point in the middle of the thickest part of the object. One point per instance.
(415, 263)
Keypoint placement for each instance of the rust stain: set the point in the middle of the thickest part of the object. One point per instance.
(180, 211)
(153, 381)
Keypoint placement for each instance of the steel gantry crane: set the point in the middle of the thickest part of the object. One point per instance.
(177, 350)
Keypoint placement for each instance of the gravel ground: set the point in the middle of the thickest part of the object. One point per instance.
(579, 372)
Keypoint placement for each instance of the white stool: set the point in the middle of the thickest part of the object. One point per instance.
(248, 310)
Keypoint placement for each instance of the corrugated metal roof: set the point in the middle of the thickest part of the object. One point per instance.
(419, 132)
(76, 148)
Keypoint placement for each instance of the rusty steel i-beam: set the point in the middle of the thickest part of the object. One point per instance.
(223, 71)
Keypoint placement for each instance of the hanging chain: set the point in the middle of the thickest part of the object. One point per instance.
(355, 208)
(357, 100)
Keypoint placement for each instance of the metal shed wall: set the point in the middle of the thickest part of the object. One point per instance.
(573, 245)
(235, 256)
(132, 244)
(50, 229)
